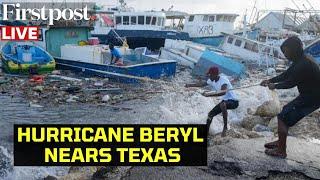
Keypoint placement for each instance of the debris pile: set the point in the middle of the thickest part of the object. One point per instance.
(67, 88)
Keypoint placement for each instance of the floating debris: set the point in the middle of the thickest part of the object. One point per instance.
(106, 98)
(33, 105)
(65, 78)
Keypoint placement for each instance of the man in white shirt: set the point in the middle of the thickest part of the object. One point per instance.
(222, 86)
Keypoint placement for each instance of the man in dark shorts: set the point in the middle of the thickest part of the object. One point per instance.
(304, 73)
(229, 100)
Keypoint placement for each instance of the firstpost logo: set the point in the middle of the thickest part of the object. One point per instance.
(37, 14)
(44, 13)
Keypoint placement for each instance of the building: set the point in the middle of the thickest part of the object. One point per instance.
(311, 25)
(278, 21)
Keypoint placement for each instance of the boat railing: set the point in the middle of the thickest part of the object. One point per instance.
(265, 57)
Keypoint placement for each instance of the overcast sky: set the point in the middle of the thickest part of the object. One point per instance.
(213, 6)
(204, 6)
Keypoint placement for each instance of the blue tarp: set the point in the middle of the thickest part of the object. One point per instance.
(227, 65)
(314, 51)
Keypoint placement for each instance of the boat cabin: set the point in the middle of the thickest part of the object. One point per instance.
(149, 20)
(138, 20)
(208, 25)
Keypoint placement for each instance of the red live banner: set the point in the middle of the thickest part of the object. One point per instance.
(19, 33)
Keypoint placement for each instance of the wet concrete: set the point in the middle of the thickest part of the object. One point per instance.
(244, 159)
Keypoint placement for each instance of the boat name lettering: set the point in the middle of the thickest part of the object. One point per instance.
(205, 30)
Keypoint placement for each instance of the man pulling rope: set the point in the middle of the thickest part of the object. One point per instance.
(303, 73)
(229, 99)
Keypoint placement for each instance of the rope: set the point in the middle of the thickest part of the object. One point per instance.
(244, 87)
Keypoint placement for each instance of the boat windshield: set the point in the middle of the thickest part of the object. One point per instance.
(139, 20)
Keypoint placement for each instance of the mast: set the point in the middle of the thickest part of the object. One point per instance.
(245, 25)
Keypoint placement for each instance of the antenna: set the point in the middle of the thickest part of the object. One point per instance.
(253, 12)
(123, 4)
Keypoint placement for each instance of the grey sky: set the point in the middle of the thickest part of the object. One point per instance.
(214, 6)
(203, 6)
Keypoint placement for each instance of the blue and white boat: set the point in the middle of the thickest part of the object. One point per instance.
(95, 60)
(138, 29)
(63, 44)
(200, 58)
(207, 28)
(251, 51)
(228, 65)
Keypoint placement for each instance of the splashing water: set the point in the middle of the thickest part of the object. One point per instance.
(183, 106)
(176, 104)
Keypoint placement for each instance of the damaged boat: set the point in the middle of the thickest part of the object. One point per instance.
(26, 58)
(65, 44)
(199, 58)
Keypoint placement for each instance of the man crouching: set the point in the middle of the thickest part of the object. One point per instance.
(229, 100)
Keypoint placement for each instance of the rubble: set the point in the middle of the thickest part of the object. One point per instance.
(271, 72)
(106, 98)
(65, 78)
(261, 128)
(270, 108)
(38, 89)
(72, 99)
(33, 105)
(56, 72)
(65, 87)
(250, 121)
(273, 124)
(98, 84)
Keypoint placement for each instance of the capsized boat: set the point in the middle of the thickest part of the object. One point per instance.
(228, 65)
(251, 51)
(200, 58)
(26, 57)
(313, 49)
(186, 53)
